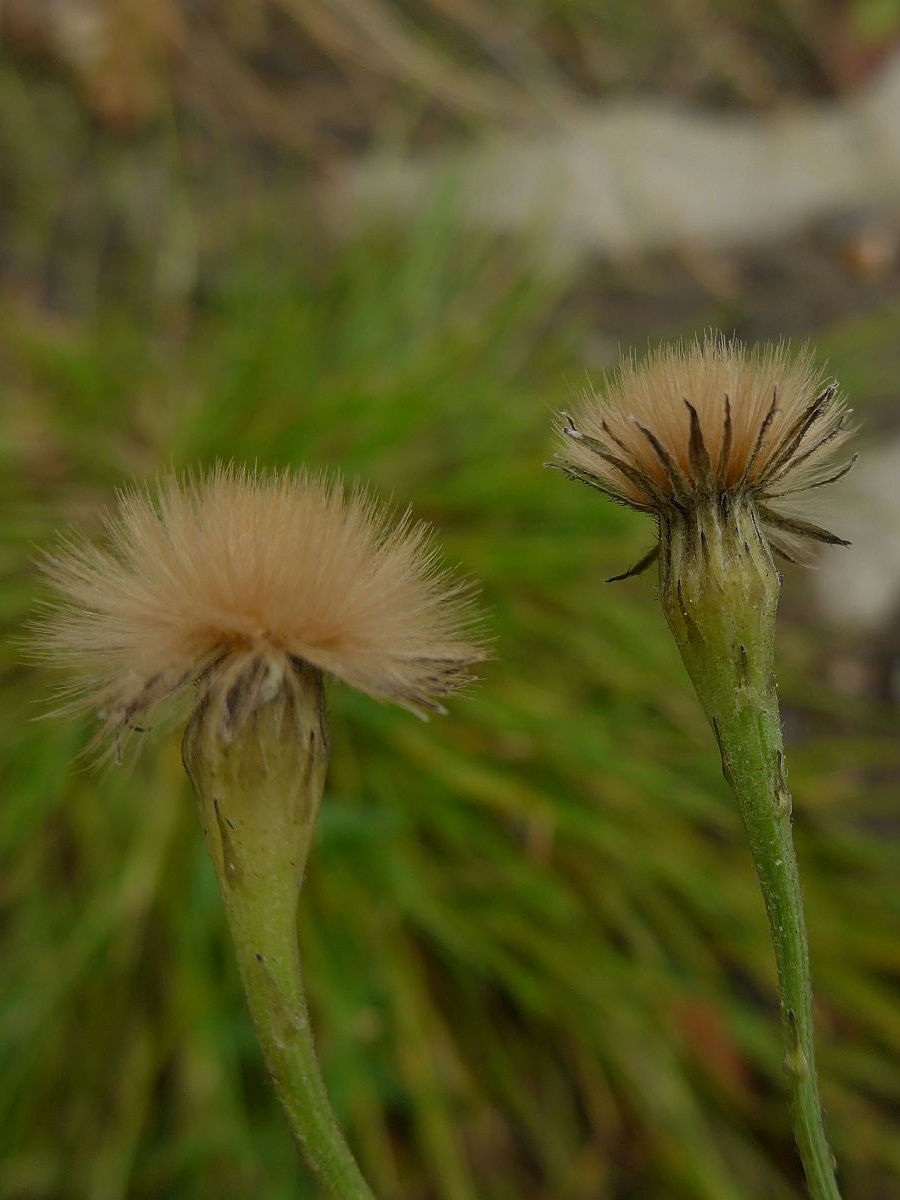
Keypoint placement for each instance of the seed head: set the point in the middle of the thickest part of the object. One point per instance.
(712, 424)
(223, 587)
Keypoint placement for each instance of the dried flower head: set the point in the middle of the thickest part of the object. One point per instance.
(711, 424)
(227, 585)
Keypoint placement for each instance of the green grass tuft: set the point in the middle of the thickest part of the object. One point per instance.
(537, 958)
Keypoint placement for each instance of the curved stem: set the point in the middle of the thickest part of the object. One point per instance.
(269, 961)
(720, 593)
(750, 741)
(259, 790)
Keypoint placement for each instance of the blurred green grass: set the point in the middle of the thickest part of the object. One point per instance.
(537, 958)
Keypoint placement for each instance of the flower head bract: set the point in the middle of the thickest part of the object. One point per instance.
(712, 421)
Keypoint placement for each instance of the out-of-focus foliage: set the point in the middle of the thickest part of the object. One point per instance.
(315, 76)
(537, 957)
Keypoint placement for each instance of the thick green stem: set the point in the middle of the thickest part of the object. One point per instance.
(720, 592)
(259, 793)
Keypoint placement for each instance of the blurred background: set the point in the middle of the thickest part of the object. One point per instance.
(391, 238)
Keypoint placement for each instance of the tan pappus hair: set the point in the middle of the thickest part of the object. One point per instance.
(232, 578)
(711, 418)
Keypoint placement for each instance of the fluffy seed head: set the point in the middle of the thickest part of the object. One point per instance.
(711, 419)
(231, 582)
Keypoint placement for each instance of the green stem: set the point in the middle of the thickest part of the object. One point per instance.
(720, 593)
(259, 792)
(269, 961)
